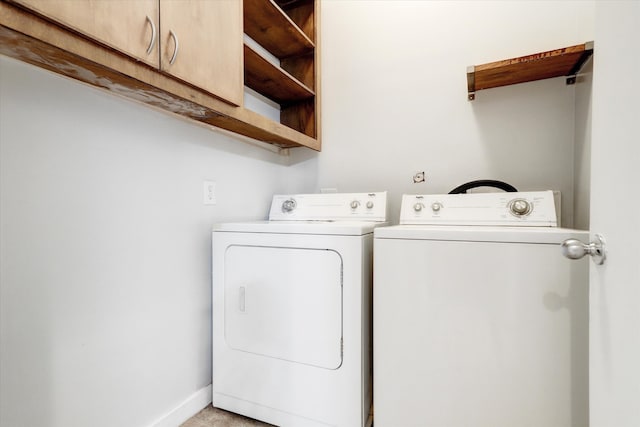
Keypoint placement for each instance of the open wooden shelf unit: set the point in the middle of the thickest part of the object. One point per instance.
(289, 33)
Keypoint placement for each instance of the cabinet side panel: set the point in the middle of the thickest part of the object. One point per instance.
(301, 117)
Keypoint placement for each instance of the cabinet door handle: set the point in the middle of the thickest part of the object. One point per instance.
(175, 51)
(153, 35)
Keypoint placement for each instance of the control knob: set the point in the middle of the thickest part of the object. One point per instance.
(369, 204)
(355, 204)
(520, 207)
(436, 206)
(418, 207)
(289, 205)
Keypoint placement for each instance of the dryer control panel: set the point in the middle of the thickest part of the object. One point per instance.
(330, 207)
(533, 209)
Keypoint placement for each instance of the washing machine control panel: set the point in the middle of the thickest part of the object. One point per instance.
(330, 207)
(534, 209)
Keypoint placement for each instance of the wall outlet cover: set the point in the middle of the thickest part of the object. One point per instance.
(209, 193)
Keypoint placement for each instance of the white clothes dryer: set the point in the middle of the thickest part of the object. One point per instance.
(292, 311)
(478, 319)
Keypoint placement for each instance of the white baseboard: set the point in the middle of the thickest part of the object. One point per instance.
(186, 409)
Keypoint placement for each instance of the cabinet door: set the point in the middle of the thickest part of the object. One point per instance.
(208, 37)
(128, 26)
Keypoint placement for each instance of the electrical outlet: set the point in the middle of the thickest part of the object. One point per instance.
(209, 193)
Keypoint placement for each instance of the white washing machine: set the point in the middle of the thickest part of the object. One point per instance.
(478, 319)
(292, 311)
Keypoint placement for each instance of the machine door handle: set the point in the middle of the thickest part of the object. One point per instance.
(575, 249)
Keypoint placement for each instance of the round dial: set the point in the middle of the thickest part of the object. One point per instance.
(418, 207)
(520, 207)
(289, 205)
(436, 206)
(369, 204)
(355, 204)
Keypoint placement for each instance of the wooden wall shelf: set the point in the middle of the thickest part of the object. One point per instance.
(544, 65)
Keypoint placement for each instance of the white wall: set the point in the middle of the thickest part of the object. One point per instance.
(614, 339)
(394, 96)
(105, 250)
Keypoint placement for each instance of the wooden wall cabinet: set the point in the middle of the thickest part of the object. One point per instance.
(208, 35)
(129, 47)
(122, 25)
(197, 41)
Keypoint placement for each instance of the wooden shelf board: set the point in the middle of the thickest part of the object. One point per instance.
(268, 25)
(22, 37)
(272, 81)
(288, 4)
(560, 62)
(303, 14)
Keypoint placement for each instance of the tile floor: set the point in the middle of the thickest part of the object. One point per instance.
(214, 417)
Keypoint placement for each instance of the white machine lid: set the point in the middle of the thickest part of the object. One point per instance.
(545, 235)
(522, 209)
(345, 228)
(330, 207)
